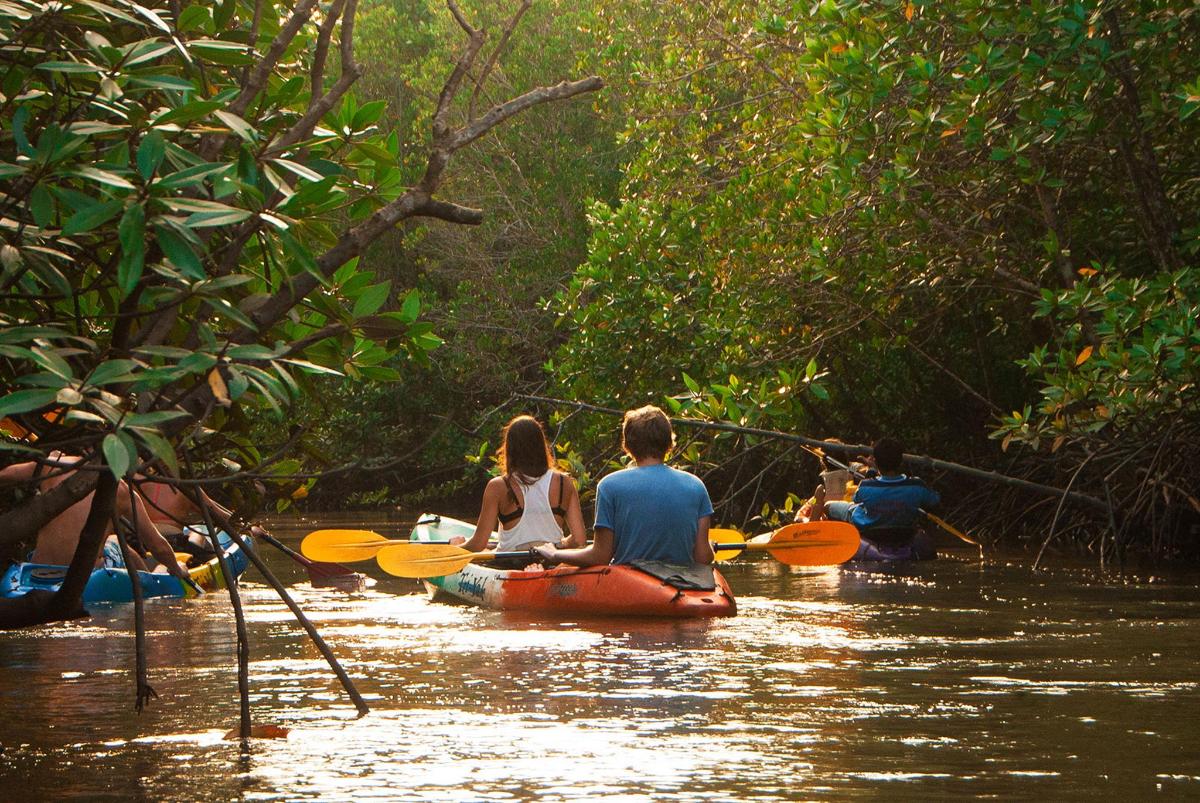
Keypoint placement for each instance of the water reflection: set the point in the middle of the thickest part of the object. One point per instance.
(939, 680)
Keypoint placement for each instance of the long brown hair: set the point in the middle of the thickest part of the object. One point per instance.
(524, 453)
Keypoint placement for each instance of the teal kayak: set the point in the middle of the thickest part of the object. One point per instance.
(112, 585)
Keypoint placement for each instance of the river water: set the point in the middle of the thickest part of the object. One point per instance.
(948, 679)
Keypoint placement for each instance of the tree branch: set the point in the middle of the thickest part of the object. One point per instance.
(534, 97)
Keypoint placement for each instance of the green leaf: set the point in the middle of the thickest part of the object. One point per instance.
(41, 206)
(172, 82)
(411, 307)
(237, 125)
(111, 371)
(132, 234)
(367, 114)
(375, 153)
(371, 299)
(179, 252)
(298, 169)
(154, 418)
(73, 67)
(191, 176)
(24, 401)
(202, 220)
(194, 18)
(92, 217)
(52, 363)
(188, 112)
(252, 351)
(149, 49)
(428, 341)
(312, 367)
(219, 52)
(150, 154)
(159, 446)
(119, 453)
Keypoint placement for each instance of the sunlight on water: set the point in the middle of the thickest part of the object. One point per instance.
(945, 680)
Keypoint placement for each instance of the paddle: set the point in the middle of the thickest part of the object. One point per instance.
(821, 543)
(319, 573)
(348, 545)
(817, 543)
(949, 528)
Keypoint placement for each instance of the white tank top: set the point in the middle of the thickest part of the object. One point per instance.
(537, 524)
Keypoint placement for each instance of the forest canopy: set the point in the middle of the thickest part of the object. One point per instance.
(968, 224)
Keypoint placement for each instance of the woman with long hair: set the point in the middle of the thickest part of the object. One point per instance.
(529, 502)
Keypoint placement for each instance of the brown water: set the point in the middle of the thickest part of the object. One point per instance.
(949, 679)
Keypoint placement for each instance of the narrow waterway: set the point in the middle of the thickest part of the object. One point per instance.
(946, 679)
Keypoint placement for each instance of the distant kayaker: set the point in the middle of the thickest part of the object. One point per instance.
(58, 539)
(649, 511)
(529, 501)
(887, 507)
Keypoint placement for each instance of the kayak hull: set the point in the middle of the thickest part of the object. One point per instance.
(919, 548)
(112, 585)
(571, 591)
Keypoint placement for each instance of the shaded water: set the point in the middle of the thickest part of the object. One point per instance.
(946, 679)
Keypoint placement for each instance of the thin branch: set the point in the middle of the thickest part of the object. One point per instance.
(495, 57)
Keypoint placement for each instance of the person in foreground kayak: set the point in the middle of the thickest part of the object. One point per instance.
(648, 511)
(58, 539)
(886, 509)
(519, 500)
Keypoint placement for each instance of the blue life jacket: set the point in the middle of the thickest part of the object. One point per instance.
(891, 502)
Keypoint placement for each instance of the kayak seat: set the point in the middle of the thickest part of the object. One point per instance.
(694, 577)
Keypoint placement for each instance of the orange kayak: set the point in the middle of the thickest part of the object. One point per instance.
(649, 588)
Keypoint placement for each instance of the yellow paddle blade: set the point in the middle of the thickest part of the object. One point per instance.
(721, 535)
(338, 546)
(815, 543)
(426, 560)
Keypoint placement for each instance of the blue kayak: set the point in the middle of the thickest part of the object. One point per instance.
(112, 585)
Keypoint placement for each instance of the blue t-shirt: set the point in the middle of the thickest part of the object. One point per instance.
(653, 511)
(891, 502)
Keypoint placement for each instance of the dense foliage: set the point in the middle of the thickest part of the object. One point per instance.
(851, 218)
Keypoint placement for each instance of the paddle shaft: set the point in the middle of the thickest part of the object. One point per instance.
(296, 556)
(529, 553)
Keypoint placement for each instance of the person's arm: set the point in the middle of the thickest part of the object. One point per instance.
(598, 553)
(489, 517)
(148, 534)
(17, 473)
(575, 525)
(702, 551)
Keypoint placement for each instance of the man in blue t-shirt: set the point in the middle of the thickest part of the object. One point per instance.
(890, 501)
(648, 511)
